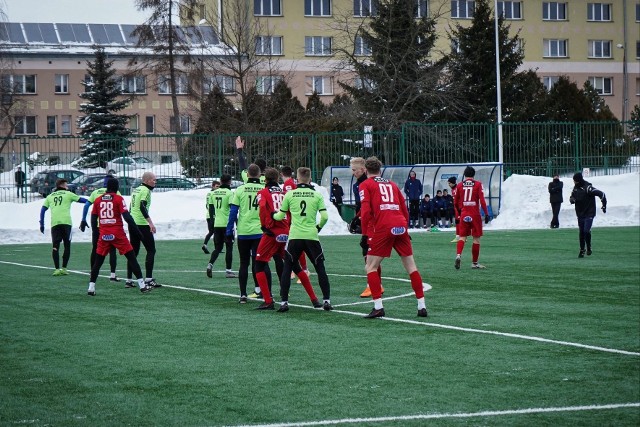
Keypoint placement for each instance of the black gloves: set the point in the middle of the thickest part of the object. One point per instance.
(572, 200)
(487, 219)
(355, 226)
(83, 225)
(457, 220)
(318, 228)
(604, 205)
(229, 238)
(42, 228)
(268, 232)
(363, 242)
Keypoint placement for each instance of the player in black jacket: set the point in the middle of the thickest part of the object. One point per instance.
(584, 197)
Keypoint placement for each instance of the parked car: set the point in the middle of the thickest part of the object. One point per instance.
(126, 184)
(80, 184)
(126, 164)
(45, 181)
(168, 183)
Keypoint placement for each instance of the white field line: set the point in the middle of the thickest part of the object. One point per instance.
(443, 416)
(392, 319)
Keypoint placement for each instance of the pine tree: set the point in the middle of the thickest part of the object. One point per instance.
(105, 132)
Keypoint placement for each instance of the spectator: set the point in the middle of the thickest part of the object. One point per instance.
(413, 191)
(20, 178)
(439, 208)
(337, 193)
(555, 198)
(426, 211)
(452, 183)
(584, 197)
(449, 211)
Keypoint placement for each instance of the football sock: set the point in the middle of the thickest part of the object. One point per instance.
(460, 246)
(373, 280)
(421, 303)
(306, 284)
(257, 288)
(92, 287)
(113, 274)
(141, 283)
(377, 303)
(416, 284)
(475, 252)
(261, 276)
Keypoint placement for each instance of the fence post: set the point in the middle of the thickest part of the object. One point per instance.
(578, 136)
(492, 133)
(24, 147)
(314, 157)
(403, 150)
(606, 165)
(218, 141)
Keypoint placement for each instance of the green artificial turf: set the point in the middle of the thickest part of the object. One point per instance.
(538, 337)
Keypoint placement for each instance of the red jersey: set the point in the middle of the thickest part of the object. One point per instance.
(109, 207)
(289, 184)
(469, 197)
(382, 205)
(270, 200)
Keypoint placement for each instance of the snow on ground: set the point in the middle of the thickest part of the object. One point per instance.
(180, 214)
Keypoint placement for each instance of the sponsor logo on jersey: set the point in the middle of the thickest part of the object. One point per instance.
(108, 221)
(396, 231)
(282, 238)
(389, 207)
(108, 237)
(107, 197)
(467, 219)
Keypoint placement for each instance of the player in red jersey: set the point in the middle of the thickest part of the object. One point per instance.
(273, 241)
(468, 200)
(384, 217)
(451, 182)
(288, 185)
(109, 209)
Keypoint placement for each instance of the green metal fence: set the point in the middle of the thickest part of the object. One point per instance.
(528, 148)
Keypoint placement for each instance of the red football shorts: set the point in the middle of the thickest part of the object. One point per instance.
(116, 240)
(270, 246)
(382, 241)
(470, 225)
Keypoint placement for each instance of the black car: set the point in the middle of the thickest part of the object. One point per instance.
(168, 183)
(80, 185)
(44, 182)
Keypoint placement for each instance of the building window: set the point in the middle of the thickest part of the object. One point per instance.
(268, 45)
(185, 124)
(88, 83)
(134, 124)
(62, 83)
(510, 9)
(364, 84)
(549, 82)
(638, 87)
(266, 84)
(226, 84)
(365, 7)
(19, 83)
(52, 125)
(267, 7)
(598, 12)
(65, 125)
(150, 124)
(317, 7)
(361, 47)
(133, 84)
(317, 46)
(25, 125)
(602, 85)
(637, 49)
(182, 85)
(322, 85)
(423, 8)
(554, 11)
(462, 8)
(638, 12)
(599, 48)
(555, 48)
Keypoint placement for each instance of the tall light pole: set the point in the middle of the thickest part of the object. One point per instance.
(625, 75)
(498, 84)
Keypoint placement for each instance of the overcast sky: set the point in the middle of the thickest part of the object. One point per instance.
(73, 11)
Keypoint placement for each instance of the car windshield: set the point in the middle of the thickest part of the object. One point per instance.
(141, 159)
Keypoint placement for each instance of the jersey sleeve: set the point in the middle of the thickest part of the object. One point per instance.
(366, 213)
(481, 199)
(235, 199)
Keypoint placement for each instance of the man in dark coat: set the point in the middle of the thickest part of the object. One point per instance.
(413, 191)
(555, 198)
(20, 177)
(584, 197)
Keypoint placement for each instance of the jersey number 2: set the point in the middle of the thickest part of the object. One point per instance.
(106, 210)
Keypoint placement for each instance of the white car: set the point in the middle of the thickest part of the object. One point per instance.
(126, 164)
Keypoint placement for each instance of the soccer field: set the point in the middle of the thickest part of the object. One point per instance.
(539, 337)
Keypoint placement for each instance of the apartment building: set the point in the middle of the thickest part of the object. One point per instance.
(594, 41)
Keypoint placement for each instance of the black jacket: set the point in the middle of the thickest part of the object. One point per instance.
(20, 177)
(337, 193)
(584, 197)
(555, 191)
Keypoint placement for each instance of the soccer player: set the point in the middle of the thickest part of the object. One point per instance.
(303, 204)
(584, 196)
(108, 211)
(140, 205)
(272, 243)
(468, 201)
(208, 201)
(244, 209)
(290, 184)
(242, 162)
(218, 206)
(59, 201)
(452, 183)
(384, 218)
(113, 256)
(360, 174)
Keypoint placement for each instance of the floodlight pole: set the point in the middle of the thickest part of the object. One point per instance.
(498, 90)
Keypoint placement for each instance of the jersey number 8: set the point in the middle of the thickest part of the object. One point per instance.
(106, 209)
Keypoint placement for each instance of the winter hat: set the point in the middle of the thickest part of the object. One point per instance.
(106, 179)
(452, 179)
(112, 185)
(577, 177)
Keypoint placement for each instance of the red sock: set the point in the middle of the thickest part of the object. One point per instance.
(261, 277)
(460, 246)
(373, 280)
(475, 252)
(306, 284)
(380, 275)
(416, 284)
(303, 262)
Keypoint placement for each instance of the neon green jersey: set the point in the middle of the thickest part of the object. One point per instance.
(304, 203)
(140, 194)
(220, 199)
(208, 201)
(246, 198)
(99, 192)
(59, 202)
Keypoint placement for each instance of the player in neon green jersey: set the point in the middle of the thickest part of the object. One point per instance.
(304, 203)
(95, 232)
(59, 202)
(140, 205)
(245, 208)
(209, 217)
(218, 206)
(242, 162)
